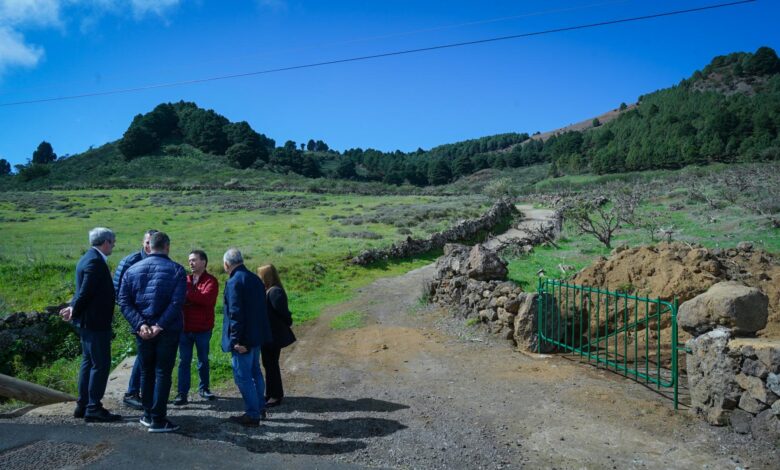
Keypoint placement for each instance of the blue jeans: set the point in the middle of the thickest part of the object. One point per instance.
(158, 355)
(134, 386)
(95, 367)
(246, 373)
(201, 342)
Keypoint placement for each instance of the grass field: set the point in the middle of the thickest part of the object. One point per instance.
(308, 237)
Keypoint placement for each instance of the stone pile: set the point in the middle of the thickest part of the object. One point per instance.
(734, 377)
(472, 282)
(464, 230)
(26, 337)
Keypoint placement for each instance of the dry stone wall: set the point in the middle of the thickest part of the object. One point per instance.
(733, 376)
(464, 230)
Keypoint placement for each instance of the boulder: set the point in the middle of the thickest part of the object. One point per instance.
(741, 309)
(755, 368)
(751, 405)
(773, 383)
(755, 388)
(740, 421)
(485, 265)
(766, 426)
(712, 376)
(526, 325)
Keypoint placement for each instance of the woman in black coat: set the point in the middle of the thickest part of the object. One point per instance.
(280, 319)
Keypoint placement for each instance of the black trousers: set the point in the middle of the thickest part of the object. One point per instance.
(273, 375)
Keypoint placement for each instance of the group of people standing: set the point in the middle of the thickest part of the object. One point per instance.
(170, 310)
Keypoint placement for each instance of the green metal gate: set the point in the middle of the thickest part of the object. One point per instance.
(630, 335)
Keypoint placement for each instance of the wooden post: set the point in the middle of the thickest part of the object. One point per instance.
(28, 392)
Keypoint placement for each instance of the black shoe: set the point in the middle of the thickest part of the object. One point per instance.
(163, 426)
(245, 420)
(272, 404)
(180, 400)
(206, 394)
(146, 421)
(133, 400)
(263, 415)
(79, 412)
(102, 416)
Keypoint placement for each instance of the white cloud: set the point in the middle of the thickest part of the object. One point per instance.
(18, 15)
(14, 52)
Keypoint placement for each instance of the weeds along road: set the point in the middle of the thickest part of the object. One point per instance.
(411, 387)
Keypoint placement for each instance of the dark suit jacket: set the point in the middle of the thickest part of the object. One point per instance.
(246, 318)
(93, 303)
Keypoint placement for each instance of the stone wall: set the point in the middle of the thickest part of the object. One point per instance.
(472, 283)
(464, 230)
(29, 338)
(733, 376)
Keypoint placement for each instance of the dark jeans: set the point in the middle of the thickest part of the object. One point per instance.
(201, 342)
(158, 356)
(95, 367)
(134, 386)
(273, 375)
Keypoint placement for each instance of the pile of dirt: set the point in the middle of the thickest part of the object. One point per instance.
(670, 270)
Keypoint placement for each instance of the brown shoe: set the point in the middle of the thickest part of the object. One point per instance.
(245, 420)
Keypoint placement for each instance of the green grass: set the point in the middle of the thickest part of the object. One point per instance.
(347, 320)
(45, 233)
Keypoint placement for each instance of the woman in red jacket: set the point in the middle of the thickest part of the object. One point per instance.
(280, 318)
(202, 291)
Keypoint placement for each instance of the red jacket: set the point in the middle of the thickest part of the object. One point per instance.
(199, 307)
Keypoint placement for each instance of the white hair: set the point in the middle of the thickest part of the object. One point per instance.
(233, 257)
(100, 235)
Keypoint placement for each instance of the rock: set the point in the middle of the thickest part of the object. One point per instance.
(742, 309)
(740, 421)
(526, 325)
(755, 388)
(512, 305)
(488, 315)
(755, 368)
(485, 265)
(766, 350)
(711, 376)
(751, 405)
(776, 408)
(745, 246)
(506, 317)
(766, 426)
(773, 383)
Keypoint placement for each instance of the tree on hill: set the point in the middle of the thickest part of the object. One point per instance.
(5, 167)
(137, 141)
(44, 154)
(763, 62)
(439, 172)
(346, 169)
(310, 167)
(241, 155)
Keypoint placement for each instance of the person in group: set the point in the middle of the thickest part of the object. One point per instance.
(152, 295)
(280, 320)
(132, 396)
(202, 291)
(245, 329)
(92, 311)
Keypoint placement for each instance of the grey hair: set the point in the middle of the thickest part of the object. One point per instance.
(233, 257)
(100, 235)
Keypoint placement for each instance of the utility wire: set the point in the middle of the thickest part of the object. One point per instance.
(378, 56)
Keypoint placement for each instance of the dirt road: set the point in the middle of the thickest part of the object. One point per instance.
(415, 388)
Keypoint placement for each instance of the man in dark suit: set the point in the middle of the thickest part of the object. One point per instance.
(92, 311)
(244, 329)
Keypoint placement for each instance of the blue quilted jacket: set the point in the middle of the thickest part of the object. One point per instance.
(153, 292)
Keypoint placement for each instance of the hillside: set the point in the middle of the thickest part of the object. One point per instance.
(727, 112)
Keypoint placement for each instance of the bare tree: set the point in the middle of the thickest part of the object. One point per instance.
(595, 217)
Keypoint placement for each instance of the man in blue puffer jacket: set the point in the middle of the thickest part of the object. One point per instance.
(151, 296)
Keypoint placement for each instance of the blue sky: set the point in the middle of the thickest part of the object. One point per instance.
(51, 48)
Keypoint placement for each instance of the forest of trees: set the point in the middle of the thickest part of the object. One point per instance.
(694, 122)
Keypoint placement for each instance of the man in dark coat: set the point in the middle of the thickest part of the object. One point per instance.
(133, 394)
(92, 311)
(245, 329)
(151, 297)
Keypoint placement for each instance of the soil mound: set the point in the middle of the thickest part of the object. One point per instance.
(684, 271)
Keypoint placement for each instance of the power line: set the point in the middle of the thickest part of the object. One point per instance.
(381, 55)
